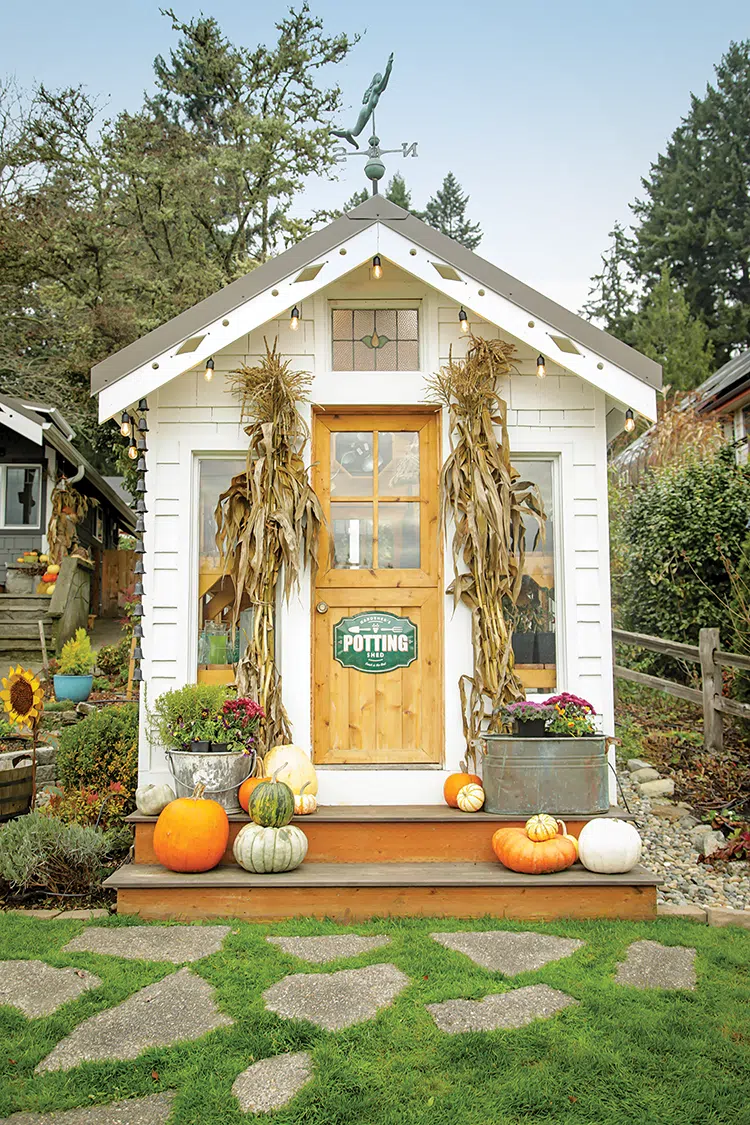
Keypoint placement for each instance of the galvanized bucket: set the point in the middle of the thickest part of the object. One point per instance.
(564, 776)
(222, 774)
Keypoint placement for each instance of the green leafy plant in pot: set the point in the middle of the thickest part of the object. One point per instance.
(75, 677)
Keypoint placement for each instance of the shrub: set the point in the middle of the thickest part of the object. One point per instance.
(101, 809)
(181, 710)
(39, 853)
(113, 660)
(77, 657)
(681, 528)
(100, 750)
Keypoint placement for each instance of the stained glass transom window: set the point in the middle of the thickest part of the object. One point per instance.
(375, 339)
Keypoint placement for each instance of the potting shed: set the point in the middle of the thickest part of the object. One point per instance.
(371, 305)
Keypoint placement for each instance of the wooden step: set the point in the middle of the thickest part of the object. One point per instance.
(355, 891)
(380, 833)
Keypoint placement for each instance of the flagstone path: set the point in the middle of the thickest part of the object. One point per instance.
(177, 944)
(153, 1110)
(651, 965)
(336, 1000)
(504, 1010)
(37, 989)
(180, 1007)
(509, 953)
(271, 1083)
(332, 947)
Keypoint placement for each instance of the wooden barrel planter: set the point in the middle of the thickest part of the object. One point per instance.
(15, 785)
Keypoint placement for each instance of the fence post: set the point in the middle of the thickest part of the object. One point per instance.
(713, 735)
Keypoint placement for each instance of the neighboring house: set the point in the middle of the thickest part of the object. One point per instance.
(36, 450)
(727, 394)
(370, 343)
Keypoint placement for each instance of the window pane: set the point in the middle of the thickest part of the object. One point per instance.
(342, 324)
(364, 357)
(216, 474)
(407, 324)
(352, 526)
(385, 358)
(385, 322)
(364, 323)
(408, 355)
(343, 355)
(352, 463)
(534, 629)
(375, 339)
(22, 487)
(399, 476)
(398, 536)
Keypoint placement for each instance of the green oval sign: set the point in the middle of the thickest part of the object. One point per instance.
(375, 642)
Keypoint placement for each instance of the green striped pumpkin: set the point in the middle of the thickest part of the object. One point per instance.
(270, 850)
(272, 803)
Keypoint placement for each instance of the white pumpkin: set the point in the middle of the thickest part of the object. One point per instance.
(293, 766)
(304, 803)
(265, 850)
(150, 800)
(609, 846)
(470, 798)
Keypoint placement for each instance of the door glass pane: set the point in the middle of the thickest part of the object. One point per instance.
(352, 463)
(22, 496)
(399, 475)
(352, 527)
(534, 615)
(398, 536)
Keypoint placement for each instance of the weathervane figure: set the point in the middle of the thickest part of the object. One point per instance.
(374, 168)
(369, 101)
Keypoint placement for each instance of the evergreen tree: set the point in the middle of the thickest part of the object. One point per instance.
(446, 211)
(355, 199)
(398, 193)
(612, 296)
(695, 216)
(665, 331)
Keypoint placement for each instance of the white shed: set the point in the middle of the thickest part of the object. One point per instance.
(376, 451)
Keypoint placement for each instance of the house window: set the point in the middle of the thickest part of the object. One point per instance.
(534, 616)
(20, 492)
(375, 339)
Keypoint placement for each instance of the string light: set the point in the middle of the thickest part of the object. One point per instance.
(125, 424)
(132, 450)
(294, 319)
(463, 320)
(377, 267)
(208, 374)
(629, 421)
(541, 367)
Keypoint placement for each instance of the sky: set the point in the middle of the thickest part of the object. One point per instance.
(548, 113)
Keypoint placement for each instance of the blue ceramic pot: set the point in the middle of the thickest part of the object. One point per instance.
(75, 688)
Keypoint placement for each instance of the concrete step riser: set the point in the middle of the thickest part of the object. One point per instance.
(37, 603)
(24, 616)
(13, 631)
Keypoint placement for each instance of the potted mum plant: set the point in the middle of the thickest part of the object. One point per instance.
(209, 737)
(76, 669)
(571, 716)
(529, 719)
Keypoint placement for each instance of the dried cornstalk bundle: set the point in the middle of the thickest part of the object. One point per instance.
(268, 523)
(69, 507)
(483, 496)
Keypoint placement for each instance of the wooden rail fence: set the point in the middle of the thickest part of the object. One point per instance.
(712, 659)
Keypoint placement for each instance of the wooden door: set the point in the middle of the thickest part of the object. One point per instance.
(377, 620)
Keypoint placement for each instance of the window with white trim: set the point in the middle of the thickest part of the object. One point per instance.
(375, 339)
(534, 616)
(20, 496)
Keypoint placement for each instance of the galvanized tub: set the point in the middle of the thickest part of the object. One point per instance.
(564, 776)
(222, 774)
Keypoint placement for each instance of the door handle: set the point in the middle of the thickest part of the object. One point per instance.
(322, 607)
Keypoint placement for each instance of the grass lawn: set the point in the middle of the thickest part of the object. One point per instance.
(621, 1056)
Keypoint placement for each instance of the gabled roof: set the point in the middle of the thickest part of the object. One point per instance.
(376, 210)
(726, 384)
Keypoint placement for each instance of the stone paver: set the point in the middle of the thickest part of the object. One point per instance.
(662, 788)
(503, 1010)
(336, 1000)
(82, 915)
(509, 953)
(649, 964)
(180, 1007)
(645, 774)
(681, 910)
(37, 989)
(153, 1110)
(328, 948)
(151, 943)
(638, 764)
(726, 916)
(271, 1083)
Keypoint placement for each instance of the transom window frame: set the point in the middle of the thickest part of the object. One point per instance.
(416, 303)
(4, 466)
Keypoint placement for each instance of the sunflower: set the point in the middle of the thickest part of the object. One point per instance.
(22, 697)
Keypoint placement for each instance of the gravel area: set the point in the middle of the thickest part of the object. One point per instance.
(669, 850)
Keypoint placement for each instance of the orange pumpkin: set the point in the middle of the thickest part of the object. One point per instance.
(455, 784)
(191, 833)
(246, 790)
(516, 851)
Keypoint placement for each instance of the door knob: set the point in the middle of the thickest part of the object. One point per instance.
(322, 607)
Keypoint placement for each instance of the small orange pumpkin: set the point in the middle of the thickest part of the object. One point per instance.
(191, 833)
(516, 851)
(455, 783)
(246, 790)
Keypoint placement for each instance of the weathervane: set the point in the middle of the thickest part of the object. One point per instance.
(374, 168)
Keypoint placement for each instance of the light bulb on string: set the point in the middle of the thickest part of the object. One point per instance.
(541, 366)
(463, 320)
(629, 421)
(208, 374)
(125, 423)
(294, 319)
(132, 451)
(377, 267)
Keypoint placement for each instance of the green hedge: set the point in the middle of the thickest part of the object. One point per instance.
(100, 750)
